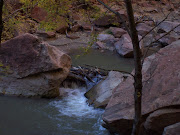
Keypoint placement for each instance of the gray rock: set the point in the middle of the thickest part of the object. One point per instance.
(143, 28)
(100, 94)
(166, 26)
(108, 41)
(167, 40)
(105, 37)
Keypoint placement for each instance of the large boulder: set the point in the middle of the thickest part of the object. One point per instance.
(172, 129)
(161, 86)
(106, 21)
(33, 68)
(125, 47)
(62, 29)
(106, 41)
(105, 37)
(39, 14)
(100, 94)
(158, 120)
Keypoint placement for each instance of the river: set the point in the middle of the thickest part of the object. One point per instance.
(68, 116)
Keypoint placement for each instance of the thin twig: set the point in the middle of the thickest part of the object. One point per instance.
(110, 70)
(116, 13)
(16, 11)
(155, 27)
(150, 45)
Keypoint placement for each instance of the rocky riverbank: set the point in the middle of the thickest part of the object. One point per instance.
(39, 65)
(160, 99)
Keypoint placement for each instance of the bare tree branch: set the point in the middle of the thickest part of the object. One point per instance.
(1, 22)
(12, 14)
(150, 45)
(154, 27)
(111, 70)
(116, 13)
(18, 10)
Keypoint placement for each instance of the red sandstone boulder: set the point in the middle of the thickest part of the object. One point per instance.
(161, 88)
(35, 68)
(106, 21)
(44, 34)
(125, 47)
(158, 120)
(39, 14)
(100, 45)
(62, 29)
(87, 27)
(172, 129)
(75, 28)
(123, 14)
(143, 29)
(117, 32)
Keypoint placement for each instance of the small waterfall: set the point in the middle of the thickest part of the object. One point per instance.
(74, 104)
(76, 110)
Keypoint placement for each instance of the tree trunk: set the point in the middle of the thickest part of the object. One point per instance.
(138, 68)
(1, 22)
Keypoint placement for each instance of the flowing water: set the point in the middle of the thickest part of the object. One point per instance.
(69, 116)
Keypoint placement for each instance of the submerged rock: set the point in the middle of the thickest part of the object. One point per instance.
(35, 68)
(161, 86)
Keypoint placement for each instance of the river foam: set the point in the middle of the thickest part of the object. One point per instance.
(75, 104)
